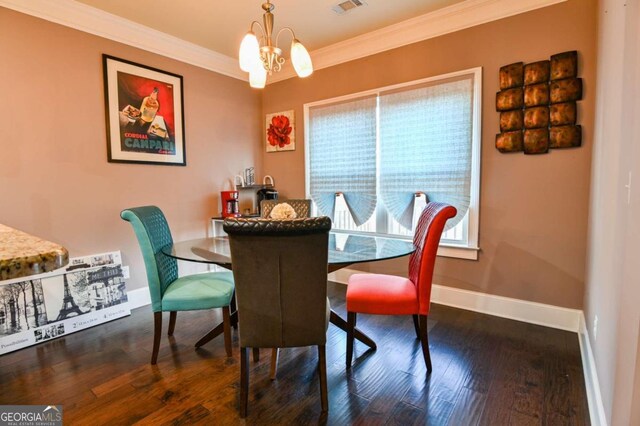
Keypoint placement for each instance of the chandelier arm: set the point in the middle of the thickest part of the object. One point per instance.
(283, 29)
(278, 63)
(259, 25)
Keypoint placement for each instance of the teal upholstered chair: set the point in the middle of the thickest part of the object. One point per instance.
(170, 292)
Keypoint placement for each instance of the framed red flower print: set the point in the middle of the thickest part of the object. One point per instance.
(280, 132)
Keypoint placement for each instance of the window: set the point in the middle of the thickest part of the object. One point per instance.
(374, 159)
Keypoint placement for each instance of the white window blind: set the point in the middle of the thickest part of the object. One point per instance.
(342, 157)
(425, 146)
(392, 149)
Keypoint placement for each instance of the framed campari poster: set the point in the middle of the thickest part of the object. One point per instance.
(144, 114)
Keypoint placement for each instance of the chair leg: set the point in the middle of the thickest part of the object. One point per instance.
(424, 340)
(322, 372)
(351, 325)
(275, 353)
(256, 354)
(234, 308)
(416, 325)
(157, 332)
(244, 381)
(226, 321)
(172, 322)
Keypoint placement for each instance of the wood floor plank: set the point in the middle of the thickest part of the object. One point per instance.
(123, 406)
(482, 351)
(505, 383)
(468, 408)
(175, 414)
(438, 411)
(520, 419)
(529, 396)
(492, 416)
(193, 416)
(404, 414)
(383, 401)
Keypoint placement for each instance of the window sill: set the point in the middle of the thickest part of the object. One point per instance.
(444, 250)
(458, 252)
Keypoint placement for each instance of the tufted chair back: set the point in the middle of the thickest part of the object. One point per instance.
(302, 207)
(426, 240)
(280, 271)
(153, 233)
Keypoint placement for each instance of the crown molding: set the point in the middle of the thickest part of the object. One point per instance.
(457, 17)
(450, 19)
(88, 19)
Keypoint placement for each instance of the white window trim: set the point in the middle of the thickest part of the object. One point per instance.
(469, 250)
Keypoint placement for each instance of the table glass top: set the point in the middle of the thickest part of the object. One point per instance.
(343, 249)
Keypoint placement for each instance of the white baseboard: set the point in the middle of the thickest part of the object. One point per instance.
(139, 297)
(594, 397)
(506, 307)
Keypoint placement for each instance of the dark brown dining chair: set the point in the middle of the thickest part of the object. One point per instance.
(280, 271)
(302, 207)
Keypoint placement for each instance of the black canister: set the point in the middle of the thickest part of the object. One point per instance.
(266, 194)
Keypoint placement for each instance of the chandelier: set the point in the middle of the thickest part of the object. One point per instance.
(261, 57)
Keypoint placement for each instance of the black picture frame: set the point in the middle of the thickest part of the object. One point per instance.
(144, 113)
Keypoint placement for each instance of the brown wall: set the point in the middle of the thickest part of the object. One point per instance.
(55, 181)
(533, 209)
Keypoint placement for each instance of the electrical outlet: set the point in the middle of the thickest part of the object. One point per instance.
(628, 187)
(595, 328)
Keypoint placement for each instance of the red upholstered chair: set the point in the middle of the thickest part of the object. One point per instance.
(392, 295)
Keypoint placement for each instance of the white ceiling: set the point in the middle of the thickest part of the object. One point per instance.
(220, 25)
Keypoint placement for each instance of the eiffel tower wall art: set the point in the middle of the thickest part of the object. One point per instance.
(91, 290)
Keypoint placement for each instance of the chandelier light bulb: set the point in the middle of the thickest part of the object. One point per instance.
(249, 52)
(258, 77)
(300, 59)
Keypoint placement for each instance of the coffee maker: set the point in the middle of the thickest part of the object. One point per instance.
(266, 194)
(230, 205)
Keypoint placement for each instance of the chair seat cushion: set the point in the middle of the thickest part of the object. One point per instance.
(199, 291)
(381, 294)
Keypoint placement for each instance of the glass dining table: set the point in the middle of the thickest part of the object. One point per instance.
(344, 249)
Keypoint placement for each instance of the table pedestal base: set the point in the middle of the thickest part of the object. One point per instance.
(218, 330)
(334, 318)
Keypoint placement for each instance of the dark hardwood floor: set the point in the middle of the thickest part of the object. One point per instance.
(486, 371)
